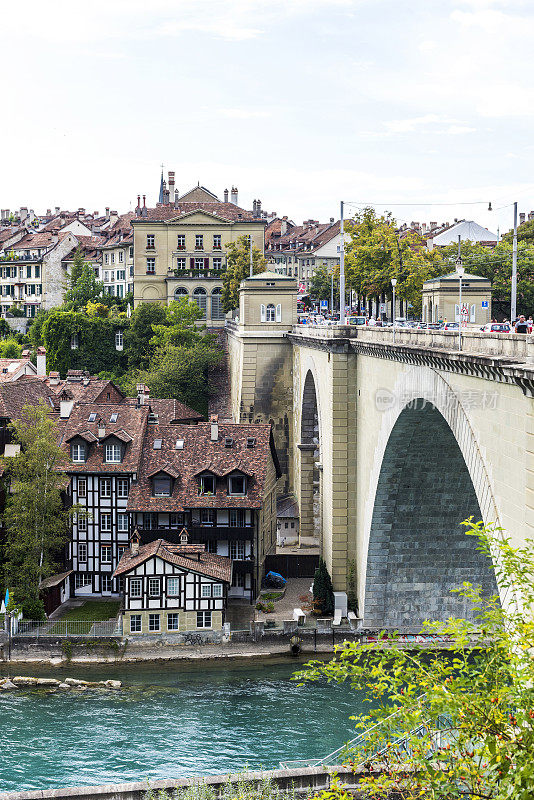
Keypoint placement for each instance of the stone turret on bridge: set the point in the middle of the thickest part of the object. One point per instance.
(260, 356)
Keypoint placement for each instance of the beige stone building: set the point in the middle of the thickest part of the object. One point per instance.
(441, 298)
(180, 248)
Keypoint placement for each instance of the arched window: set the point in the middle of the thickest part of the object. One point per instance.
(271, 313)
(216, 304)
(180, 292)
(200, 298)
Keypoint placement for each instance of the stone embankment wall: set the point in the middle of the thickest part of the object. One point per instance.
(303, 781)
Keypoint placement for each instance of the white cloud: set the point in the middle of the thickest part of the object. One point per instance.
(244, 113)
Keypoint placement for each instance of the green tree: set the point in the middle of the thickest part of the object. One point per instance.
(323, 591)
(5, 329)
(35, 331)
(83, 286)
(141, 330)
(180, 326)
(479, 694)
(180, 372)
(10, 348)
(35, 517)
(375, 255)
(321, 284)
(238, 268)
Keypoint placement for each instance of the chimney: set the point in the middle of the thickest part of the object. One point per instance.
(254, 208)
(113, 217)
(283, 228)
(54, 239)
(214, 420)
(138, 206)
(26, 354)
(65, 408)
(134, 543)
(56, 211)
(171, 186)
(258, 207)
(41, 362)
(23, 212)
(530, 215)
(176, 197)
(107, 212)
(48, 212)
(433, 225)
(53, 378)
(522, 218)
(226, 195)
(233, 195)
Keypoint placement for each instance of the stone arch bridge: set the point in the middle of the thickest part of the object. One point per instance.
(397, 442)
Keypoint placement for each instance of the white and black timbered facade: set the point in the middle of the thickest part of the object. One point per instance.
(101, 532)
(103, 443)
(172, 587)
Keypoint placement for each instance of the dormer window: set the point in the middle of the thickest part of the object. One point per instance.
(161, 486)
(113, 453)
(237, 484)
(77, 452)
(207, 484)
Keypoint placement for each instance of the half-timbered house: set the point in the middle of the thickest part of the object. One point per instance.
(170, 588)
(217, 480)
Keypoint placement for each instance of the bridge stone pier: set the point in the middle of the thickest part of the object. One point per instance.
(402, 440)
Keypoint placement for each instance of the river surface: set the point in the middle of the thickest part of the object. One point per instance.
(171, 721)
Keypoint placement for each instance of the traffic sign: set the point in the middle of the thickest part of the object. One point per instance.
(324, 304)
(485, 304)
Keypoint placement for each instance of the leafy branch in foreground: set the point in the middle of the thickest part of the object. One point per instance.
(458, 722)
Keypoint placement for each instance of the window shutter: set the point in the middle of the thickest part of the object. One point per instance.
(206, 263)
(262, 312)
(192, 263)
(472, 314)
(279, 312)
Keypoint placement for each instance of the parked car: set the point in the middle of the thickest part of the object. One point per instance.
(496, 327)
(354, 320)
(434, 326)
(451, 326)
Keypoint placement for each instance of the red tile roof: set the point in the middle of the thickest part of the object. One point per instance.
(189, 557)
(169, 411)
(199, 453)
(129, 428)
(169, 213)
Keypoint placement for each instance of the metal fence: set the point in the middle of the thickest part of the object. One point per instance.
(54, 628)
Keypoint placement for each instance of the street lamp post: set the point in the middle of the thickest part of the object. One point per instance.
(460, 269)
(332, 293)
(513, 298)
(342, 270)
(393, 284)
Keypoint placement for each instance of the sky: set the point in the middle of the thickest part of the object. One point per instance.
(422, 107)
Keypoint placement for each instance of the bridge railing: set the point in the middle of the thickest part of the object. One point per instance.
(510, 345)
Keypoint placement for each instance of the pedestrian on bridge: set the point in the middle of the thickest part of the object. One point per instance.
(521, 326)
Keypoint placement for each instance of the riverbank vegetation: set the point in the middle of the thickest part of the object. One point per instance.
(35, 519)
(452, 726)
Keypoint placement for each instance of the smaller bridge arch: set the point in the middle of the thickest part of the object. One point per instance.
(309, 447)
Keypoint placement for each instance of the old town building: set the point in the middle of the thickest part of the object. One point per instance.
(180, 246)
(172, 587)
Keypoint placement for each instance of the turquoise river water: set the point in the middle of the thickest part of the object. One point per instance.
(172, 720)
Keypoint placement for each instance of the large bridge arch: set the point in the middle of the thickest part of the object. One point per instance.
(428, 475)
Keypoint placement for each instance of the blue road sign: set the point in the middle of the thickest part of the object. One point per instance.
(485, 304)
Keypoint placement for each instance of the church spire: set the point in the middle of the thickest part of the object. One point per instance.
(161, 187)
